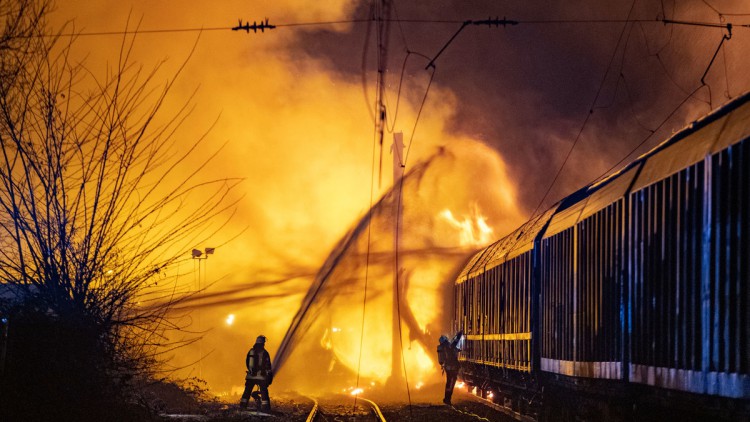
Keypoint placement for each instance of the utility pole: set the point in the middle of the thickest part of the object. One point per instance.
(397, 379)
(383, 15)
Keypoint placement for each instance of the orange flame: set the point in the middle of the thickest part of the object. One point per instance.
(473, 230)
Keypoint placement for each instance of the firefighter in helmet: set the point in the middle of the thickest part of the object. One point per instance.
(260, 373)
(448, 359)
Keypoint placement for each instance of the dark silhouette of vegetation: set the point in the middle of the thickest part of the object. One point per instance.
(96, 207)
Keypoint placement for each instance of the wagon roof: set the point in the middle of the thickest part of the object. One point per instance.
(725, 126)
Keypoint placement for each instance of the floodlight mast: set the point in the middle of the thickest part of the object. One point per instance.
(199, 255)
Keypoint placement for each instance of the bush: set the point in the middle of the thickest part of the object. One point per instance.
(60, 367)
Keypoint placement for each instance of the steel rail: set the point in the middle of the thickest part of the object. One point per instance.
(375, 408)
(314, 411)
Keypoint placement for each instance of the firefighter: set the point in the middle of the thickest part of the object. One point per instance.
(448, 359)
(260, 373)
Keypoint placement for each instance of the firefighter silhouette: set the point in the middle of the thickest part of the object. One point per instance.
(260, 373)
(448, 360)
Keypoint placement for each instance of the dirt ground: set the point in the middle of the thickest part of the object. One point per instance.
(422, 405)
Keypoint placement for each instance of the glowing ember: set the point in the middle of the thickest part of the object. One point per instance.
(461, 384)
(419, 385)
(230, 319)
(490, 395)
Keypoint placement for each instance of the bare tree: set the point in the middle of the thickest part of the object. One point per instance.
(97, 191)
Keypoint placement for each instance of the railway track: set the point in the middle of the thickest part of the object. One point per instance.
(330, 409)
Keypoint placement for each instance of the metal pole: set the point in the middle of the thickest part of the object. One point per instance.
(201, 256)
(398, 172)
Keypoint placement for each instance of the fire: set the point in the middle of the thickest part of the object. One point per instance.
(356, 391)
(473, 230)
(304, 196)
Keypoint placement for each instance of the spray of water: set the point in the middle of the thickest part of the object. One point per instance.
(335, 324)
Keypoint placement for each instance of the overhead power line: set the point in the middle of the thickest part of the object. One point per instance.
(263, 25)
(488, 22)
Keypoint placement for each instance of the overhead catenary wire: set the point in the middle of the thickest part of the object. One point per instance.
(619, 71)
(722, 19)
(400, 27)
(652, 132)
(397, 231)
(630, 103)
(727, 26)
(186, 29)
(402, 162)
(627, 21)
(464, 24)
(400, 21)
(369, 223)
(657, 54)
(380, 125)
(588, 116)
(409, 53)
(383, 34)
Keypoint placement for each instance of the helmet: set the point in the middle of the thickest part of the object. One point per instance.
(443, 339)
(261, 339)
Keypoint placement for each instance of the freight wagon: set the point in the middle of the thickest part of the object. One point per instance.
(630, 298)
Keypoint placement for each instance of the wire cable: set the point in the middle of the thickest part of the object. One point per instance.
(398, 94)
(365, 49)
(619, 72)
(358, 21)
(723, 48)
(367, 263)
(640, 144)
(399, 205)
(712, 8)
(659, 59)
(630, 102)
(419, 114)
(369, 222)
(588, 116)
(400, 27)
